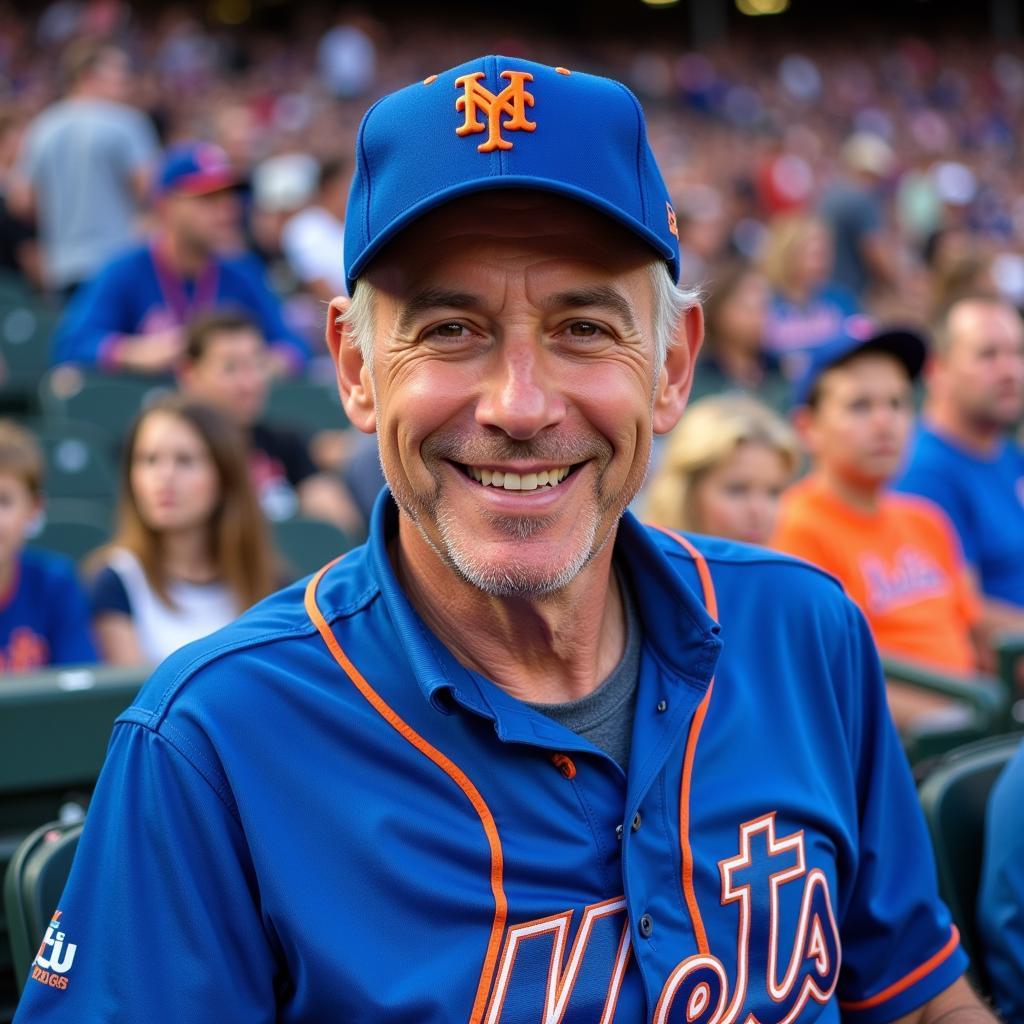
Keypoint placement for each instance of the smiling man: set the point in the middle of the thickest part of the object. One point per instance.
(514, 774)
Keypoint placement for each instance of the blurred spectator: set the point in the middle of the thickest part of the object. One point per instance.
(734, 357)
(313, 240)
(852, 206)
(19, 251)
(44, 616)
(963, 457)
(724, 470)
(1001, 893)
(85, 167)
(281, 186)
(806, 310)
(191, 549)
(347, 58)
(896, 556)
(226, 364)
(132, 316)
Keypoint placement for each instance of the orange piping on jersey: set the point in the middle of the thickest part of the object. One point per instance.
(449, 768)
(908, 979)
(686, 852)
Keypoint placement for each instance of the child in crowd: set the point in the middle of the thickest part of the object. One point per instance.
(191, 549)
(724, 470)
(896, 555)
(44, 615)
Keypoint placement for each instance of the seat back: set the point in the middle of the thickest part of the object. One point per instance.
(308, 544)
(954, 797)
(306, 406)
(33, 885)
(74, 527)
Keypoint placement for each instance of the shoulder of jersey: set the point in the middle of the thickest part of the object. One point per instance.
(732, 554)
(269, 631)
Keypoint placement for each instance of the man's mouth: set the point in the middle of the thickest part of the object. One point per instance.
(546, 478)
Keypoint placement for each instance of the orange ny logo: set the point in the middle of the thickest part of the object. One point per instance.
(511, 101)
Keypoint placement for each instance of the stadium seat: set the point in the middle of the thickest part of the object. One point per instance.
(306, 406)
(954, 796)
(26, 324)
(79, 460)
(74, 526)
(33, 885)
(110, 403)
(985, 700)
(308, 544)
(54, 729)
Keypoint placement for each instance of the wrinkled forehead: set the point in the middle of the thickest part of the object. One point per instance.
(511, 229)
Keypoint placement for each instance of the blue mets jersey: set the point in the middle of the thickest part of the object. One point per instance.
(318, 814)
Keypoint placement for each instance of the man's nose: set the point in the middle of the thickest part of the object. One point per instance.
(520, 395)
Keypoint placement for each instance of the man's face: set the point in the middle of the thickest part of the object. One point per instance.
(513, 384)
(984, 366)
(859, 429)
(233, 374)
(208, 223)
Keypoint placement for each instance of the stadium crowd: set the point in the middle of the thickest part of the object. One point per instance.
(854, 217)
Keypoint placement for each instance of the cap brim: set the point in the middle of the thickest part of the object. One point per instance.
(202, 184)
(906, 345)
(414, 213)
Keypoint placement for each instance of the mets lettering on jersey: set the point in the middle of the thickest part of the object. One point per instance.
(327, 817)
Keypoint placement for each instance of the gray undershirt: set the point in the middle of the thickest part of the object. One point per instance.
(605, 717)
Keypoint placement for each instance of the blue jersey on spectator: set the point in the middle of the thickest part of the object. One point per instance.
(137, 293)
(984, 496)
(44, 616)
(1001, 896)
(793, 330)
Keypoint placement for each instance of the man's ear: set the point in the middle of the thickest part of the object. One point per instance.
(676, 376)
(355, 384)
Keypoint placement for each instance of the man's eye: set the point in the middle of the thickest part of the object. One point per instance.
(449, 330)
(584, 329)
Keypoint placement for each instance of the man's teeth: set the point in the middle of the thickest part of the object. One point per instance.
(518, 481)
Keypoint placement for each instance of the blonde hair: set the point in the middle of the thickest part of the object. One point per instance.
(785, 236)
(710, 431)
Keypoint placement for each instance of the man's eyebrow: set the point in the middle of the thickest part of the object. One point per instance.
(601, 296)
(434, 298)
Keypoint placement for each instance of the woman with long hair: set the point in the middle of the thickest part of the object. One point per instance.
(724, 469)
(191, 548)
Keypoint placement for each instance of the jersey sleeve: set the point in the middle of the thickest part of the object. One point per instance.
(899, 946)
(98, 314)
(107, 594)
(159, 921)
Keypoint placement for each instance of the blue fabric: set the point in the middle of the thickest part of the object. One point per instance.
(45, 619)
(325, 869)
(410, 158)
(1001, 895)
(126, 298)
(107, 593)
(984, 497)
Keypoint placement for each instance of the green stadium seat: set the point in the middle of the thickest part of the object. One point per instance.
(74, 526)
(308, 544)
(54, 730)
(33, 885)
(107, 402)
(79, 460)
(26, 325)
(954, 797)
(306, 406)
(984, 698)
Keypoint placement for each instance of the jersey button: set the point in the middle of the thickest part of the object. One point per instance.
(663, 705)
(618, 831)
(646, 926)
(635, 824)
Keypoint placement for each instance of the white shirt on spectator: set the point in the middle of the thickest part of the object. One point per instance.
(313, 242)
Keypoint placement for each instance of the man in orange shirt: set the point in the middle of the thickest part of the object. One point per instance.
(896, 555)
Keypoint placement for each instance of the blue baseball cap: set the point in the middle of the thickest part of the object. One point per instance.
(195, 169)
(502, 122)
(860, 334)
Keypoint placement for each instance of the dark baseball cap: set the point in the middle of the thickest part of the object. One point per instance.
(195, 169)
(860, 334)
(501, 122)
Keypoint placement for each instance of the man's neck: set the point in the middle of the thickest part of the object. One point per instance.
(946, 420)
(185, 260)
(549, 649)
(861, 495)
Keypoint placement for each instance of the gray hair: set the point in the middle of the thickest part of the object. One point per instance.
(670, 302)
